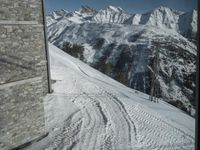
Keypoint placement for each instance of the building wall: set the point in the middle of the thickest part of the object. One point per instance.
(23, 72)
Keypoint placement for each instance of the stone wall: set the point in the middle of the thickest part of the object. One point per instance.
(21, 10)
(23, 72)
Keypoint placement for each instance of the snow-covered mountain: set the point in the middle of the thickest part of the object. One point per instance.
(161, 17)
(111, 14)
(184, 23)
(55, 16)
(124, 50)
(90, 111)
(87, 10)
(84, 14)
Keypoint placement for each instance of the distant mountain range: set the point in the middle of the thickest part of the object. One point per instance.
(184, 23)
(122, 46)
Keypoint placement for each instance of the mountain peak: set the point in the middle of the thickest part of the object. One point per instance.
(58, 13)
(86, 9)
(64, 11)
(111, 14)
(167, 9)
(162, 9)
(194, 11)
(113, 8)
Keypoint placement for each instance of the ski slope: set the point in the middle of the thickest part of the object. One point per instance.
(90, 111)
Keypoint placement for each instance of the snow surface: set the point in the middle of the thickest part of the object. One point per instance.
(90, 111)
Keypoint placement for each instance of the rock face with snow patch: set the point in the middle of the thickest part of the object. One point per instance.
(188, 25)
(122, 48)
(111, 15)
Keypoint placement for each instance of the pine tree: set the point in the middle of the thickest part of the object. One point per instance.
(74, 50)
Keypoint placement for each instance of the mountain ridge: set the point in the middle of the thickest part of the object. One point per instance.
(162, 17)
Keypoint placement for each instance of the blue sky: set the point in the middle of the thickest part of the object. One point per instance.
(132, 6)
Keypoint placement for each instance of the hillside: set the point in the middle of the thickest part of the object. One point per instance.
(89, 110)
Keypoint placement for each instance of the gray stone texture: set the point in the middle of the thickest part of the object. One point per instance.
(21, 50)
(23, 72)
(21, 10)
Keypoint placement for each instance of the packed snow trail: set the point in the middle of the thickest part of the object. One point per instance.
(90, 111)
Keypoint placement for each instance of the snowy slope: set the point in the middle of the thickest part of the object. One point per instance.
(132, 45)
(90, 111)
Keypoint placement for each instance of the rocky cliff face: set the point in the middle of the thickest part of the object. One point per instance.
(123, 46)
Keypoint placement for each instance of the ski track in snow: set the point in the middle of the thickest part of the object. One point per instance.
(102, 117)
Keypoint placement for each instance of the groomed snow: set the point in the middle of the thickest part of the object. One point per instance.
(90, 111)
